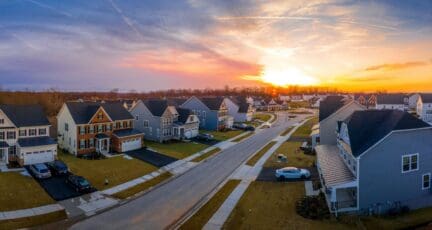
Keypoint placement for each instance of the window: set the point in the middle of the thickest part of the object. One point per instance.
(42, 132)
(91, 142)
(32, 132)
(23, 133)
(11, 135)
(91, 129)
(82, 144)
(99, 128)
(108, 127)
(100, 116)
(146, 123)
(2, 136)
(136, 117)
(1, 121)
(66, 127)
(410, 162)
(426, 178)
(82, 130)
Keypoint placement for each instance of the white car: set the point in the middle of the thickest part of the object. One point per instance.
(292, 173)
(40, 171)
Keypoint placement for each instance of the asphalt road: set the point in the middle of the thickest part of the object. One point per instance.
(163, 206)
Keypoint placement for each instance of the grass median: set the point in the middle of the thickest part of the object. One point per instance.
(143, 186)
(224, 135)
(33, 221)
(206, 155)
(204, 214)
(252, 161)
(288, 130)
(243, 137)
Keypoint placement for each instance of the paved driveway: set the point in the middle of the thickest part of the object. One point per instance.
(151, 157)
(165, 205)
(268, 174)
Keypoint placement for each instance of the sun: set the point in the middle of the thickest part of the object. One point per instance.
(287, 76)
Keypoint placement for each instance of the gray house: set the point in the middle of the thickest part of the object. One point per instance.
(382, 160)
(163, 122)
(211, 111)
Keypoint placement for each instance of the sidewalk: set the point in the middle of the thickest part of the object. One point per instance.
(10, 215)
(247, 174)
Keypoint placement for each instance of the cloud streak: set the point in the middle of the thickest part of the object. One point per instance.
(396, 66)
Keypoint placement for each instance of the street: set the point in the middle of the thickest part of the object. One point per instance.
(163, 206)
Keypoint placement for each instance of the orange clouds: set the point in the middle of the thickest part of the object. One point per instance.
(396, 66)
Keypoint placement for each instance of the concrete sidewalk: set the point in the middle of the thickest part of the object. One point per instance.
(10, 215)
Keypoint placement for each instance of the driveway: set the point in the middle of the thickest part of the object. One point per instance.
(268, 174)
(151, 157)
(163, 206)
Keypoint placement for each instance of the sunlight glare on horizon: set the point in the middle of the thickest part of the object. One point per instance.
(287, 76)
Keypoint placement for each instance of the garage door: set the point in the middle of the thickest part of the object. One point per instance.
(38, 157)
(131, 144)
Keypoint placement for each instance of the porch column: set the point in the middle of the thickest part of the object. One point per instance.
(108, 145)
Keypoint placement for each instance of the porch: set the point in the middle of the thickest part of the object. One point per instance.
(339, 184)
(4, 159)
(102, 143)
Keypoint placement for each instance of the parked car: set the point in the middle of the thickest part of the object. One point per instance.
(239, 126)
(57, 167)
(79, 183)
(249, 128)
(205, 137)
(40, 171)
(292, 173)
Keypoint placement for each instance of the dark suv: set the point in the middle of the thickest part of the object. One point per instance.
(78, 183)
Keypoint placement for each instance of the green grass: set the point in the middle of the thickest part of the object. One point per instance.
(299, 104)
(206, 155)
(224, 135)
(274, 118)
(253, 123)
(407, 221)
(21, 192)
(200, 218)
(271, 205)
(296, 157)
(243, 137)
(33, 221)
(287, 131)
(306, 129)
(252, 161)
(117, 170)
(262, 116)
(143, 186)
(177, 149)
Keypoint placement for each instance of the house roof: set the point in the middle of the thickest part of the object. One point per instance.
(3, 144)
(330, 105)
(176, 101)
(101, 136)
(334, 170)
(25, 115)
(426, 97)
(82, 112)
(213, 103)
(156, 106)
(241, 102)
(36, 141)
(127, 132)
(183, 114)
(390, 99)
(367, 127)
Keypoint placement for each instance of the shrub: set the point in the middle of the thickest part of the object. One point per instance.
(313, 207)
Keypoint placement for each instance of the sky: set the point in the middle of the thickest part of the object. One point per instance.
(148, 45)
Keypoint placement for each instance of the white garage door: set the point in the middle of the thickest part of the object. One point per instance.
(38, 157)
(131, 144)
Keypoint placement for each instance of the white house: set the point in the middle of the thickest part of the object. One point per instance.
(239, 109)
(392, 101)
(24, 135)
(424, 107)
(412, 101)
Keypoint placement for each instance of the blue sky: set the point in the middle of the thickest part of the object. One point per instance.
(149, 45)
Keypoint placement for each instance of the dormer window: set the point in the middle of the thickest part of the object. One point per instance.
(100, 116)
(1, 121)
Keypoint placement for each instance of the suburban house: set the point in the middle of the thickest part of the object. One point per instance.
(272, 105)
(352, 172)
(333, 109)
(392, 101)
(89, 127)
(367, 100)
(211, 111)
(24, 136)
(128, 104)
(239, 109)
(424, 107)
(160, 121)
(412, 101)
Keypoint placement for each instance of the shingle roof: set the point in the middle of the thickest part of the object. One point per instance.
(101, 136)
(426, 97)
(25, 115)
(176, 101)
(36, 141)
(213, 103)
(367, 127)
(241, 102)
(127, 132)
(3, 144)
(390, 99)
(183, 114)
(82, 112)
(156, 107)
(330, 105)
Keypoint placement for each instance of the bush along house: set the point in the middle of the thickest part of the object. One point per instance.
(382, 162)
(94, 127)
(24, 136)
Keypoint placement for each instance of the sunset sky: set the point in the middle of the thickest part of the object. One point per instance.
(148, 45)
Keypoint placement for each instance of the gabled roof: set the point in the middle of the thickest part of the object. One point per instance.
(156, 106)
(183, 114)
(213, 103)
(330, 105)
(241, 102)
(426, 97)
(390, 99)
(25, 115)
(367, 127)
(176, 101)
(82, 112)
(36, 141)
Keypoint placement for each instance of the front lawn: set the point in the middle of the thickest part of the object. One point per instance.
(224, 135)
(177, 149)
(117, 169)
(406, 221)
(205, 213)
(21, 192)
(271, 205)
(262, 116)
(306, 129)
(296, 157)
